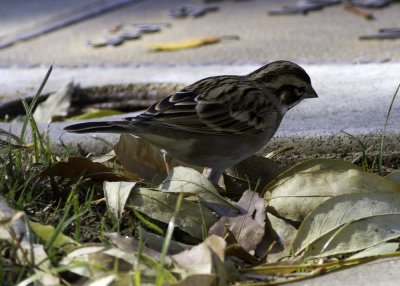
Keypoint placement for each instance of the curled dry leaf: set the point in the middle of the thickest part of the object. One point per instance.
(349, 223)
(116, 195)
(248, 228)
(56, 104)
(191, 182)
(298, 191)
(161, 205)
(205, 258)
(78, 166)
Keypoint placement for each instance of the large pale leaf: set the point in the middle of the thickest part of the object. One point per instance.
(298, 191)
(349, 223)
(191, 182)
(56, 104)
(248, 228)
(116, 195)
(161, 205)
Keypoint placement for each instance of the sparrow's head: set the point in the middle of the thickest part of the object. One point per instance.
(290, 82)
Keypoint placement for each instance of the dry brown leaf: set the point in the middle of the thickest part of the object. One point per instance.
(132, 245)
(253, 172)
(248, 228)
(192, 183)
(137, 156)
(78, 166)
(205, 258)
(234, 249)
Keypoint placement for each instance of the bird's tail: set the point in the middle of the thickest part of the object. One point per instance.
(101, 126)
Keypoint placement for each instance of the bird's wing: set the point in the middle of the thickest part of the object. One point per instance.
(218, 105)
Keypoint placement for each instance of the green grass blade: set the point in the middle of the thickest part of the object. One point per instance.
(384, 129)
(167, 241)
(34, 102)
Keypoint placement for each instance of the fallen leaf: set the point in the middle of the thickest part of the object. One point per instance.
(139, 157)
(280, 235)
(156, 242)
(234, 249)
(191, 182)
(78, 166)
(254, 172)
(197, 280)
(116, 195)
(56, 104)
(94, 261)
(380, 249)
(298, 191)
(349, 223)
(46, 232)
(161, 205)
(14, 230)
(132, 245)
(205, 258)
(248, 228)
(186, 44)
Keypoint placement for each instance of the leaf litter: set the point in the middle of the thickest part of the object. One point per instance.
(280, 224)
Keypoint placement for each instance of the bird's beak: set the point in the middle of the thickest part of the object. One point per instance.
(311, 93)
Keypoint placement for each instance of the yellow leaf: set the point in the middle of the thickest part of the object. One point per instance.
(186, 44)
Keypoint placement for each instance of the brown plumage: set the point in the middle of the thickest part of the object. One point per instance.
(218, 121)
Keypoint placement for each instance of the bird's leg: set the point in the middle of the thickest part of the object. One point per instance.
(213, 175)
(167, 161)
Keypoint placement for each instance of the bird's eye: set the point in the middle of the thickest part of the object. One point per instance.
(299, 90)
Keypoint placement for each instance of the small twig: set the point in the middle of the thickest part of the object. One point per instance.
(357, 10)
